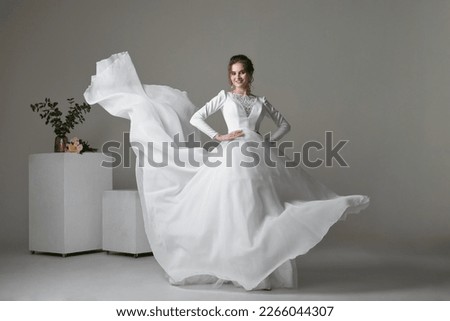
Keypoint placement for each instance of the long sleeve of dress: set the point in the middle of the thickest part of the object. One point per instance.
(198, 119)
(279, 120)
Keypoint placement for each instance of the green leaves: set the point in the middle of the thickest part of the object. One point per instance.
(86, 147)
(47, 110)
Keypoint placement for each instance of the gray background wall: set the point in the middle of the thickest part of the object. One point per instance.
(374, 72)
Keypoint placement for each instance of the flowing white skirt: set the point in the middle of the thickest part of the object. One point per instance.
(213, 224)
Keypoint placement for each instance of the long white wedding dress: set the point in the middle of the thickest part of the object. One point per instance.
(213, 216)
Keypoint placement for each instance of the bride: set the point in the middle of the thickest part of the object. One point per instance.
(235, 213)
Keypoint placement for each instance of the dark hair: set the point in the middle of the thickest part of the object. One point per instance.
(246, 62)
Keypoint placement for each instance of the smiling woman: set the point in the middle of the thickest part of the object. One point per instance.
(233, 221)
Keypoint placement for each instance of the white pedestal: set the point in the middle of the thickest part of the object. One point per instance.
(65, 201)
(123, 223)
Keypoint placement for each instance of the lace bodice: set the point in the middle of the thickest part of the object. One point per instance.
(240, 112)
(246, 101)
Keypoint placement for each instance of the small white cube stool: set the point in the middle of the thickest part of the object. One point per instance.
(123, 223)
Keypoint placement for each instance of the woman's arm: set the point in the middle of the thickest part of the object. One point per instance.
(198, 119)
(278, 119)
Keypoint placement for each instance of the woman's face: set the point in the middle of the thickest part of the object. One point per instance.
(240, 79)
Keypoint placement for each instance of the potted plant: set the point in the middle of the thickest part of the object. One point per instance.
(47, 110)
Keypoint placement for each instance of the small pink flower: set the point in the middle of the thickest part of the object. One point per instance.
(74, 146)
(75, 141)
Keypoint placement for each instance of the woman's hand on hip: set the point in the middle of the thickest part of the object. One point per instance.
(230, 136)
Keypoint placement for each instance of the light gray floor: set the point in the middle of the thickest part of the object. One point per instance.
(325, 274)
